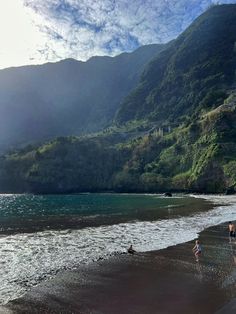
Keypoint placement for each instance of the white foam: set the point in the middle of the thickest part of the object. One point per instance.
(27, 258)
(217, 198)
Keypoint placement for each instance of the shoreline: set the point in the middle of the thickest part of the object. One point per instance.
(163, 281)
(162, 193)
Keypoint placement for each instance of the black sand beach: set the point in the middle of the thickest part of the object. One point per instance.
(165, 281)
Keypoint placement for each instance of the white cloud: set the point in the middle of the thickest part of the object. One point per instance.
(36, 31)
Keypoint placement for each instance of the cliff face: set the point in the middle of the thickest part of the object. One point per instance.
(191, 75)
(38, 103)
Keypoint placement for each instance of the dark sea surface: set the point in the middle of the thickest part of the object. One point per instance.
(30, 213)
(44, 234)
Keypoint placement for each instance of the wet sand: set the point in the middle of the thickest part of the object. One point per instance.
(165, 281)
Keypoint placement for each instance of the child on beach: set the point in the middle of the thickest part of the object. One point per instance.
(197, 250)
(231, 231)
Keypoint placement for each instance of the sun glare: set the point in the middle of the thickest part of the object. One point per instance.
(19, 37)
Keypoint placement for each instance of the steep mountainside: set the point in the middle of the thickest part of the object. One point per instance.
(192, 75)
(176, 131)
(68, 97)
(198, 156)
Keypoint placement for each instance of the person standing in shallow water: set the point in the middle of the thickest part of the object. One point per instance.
(231, 231)
(197, 249)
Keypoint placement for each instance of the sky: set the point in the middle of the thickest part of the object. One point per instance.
(39, 31)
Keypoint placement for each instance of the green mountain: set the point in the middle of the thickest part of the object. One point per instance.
(40, 102)
(192, 76)
(176, 130)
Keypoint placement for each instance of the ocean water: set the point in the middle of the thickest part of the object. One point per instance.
(41, 235)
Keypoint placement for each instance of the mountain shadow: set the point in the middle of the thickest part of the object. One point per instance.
(68, 97)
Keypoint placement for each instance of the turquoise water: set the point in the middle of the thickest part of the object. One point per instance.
(29, 213)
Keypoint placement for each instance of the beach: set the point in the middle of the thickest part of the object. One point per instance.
(163, 281)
